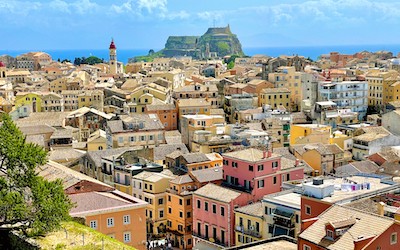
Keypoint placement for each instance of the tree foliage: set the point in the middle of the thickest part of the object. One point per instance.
(27, 201)
(231, 61)
(91, 60)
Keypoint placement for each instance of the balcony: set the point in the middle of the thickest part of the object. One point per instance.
(237, 187)
(247, 231)
(213, 241)
(283, 218)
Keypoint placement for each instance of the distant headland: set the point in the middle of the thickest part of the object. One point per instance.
(216, 42)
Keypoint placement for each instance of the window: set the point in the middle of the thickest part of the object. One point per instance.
(169, 197)
(169, 210)
(260, 183)
(161, 214)
(180, 202)
(169, 223)
(161, 201)
(127, 237)
(198, 204)
(132, 138)
(181, 214)
(251, 168)
(274, 181)
(222, 211)
(393, 238)
(214, 208)
(274, 164)
(120, 139)
(308, 210)
(93, 224)
(110, 222)
(206, 206)
(180, 228)
(188, 214)
(234, 164)
(260, 167)
(188, 202)
(306, 247)
(329, 234)
(127, 219)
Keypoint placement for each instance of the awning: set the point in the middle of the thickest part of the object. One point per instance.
(283, 214)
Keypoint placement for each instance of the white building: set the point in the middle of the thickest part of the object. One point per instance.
(347, 95)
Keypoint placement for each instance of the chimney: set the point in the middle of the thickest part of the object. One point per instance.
(269, 153)
(264, 154)
(297, 163)
(381, 208)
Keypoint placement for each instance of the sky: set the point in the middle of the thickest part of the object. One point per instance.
(146, 24)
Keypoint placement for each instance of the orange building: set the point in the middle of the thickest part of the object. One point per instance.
(179, 204)
(167, 113)
(180, 211)
(103, 208)
(114, 213)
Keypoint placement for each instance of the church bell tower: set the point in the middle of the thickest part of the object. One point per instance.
(113, 58)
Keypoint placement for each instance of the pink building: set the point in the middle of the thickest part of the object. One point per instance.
(259, 172)
(213, 217)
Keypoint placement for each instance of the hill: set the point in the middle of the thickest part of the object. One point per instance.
(216, 42)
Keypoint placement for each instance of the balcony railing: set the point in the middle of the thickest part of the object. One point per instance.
(211, 240)
(237, 187)
(247, 231)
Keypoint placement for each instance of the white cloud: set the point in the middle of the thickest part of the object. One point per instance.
(85, 6)
(60, 6)
(175, 15)
(124, 7)
(151, 5)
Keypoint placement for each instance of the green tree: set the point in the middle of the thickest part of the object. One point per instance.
(27, 201)
(223, 48)
(92, 60)
(231, 64)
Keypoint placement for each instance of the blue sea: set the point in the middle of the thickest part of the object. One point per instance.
(123, 55)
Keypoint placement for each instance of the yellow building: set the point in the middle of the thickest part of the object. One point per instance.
(380, 90)
(309, 133)
(91, 99)
(180, 211)
(193, 106)
(275, 97)
(176, 77)
(52, 102)
(30, 99)
(97, 141)
(288, 77)
(189, 124)
(146, 95)
(154, 193)
(342, 140)
(250, 224)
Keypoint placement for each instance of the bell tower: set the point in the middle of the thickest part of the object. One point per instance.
(113, 58)
(3, 69)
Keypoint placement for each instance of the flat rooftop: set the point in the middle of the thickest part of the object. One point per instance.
(290, 199)
(341, 195)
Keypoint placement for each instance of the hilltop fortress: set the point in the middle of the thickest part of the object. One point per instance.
(216, 42)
